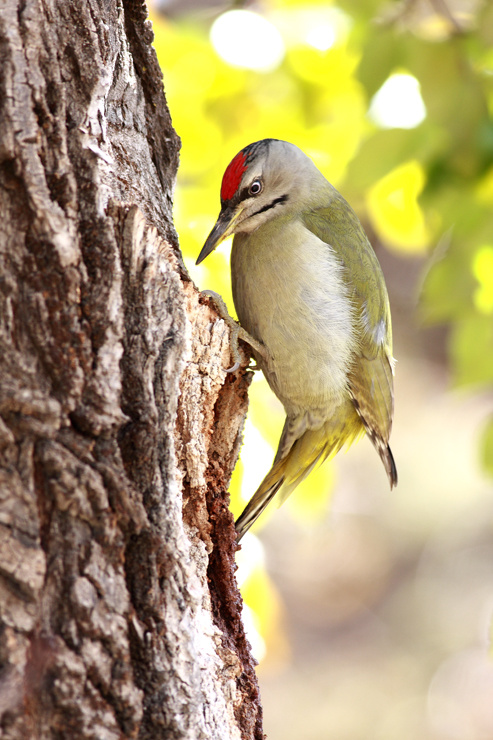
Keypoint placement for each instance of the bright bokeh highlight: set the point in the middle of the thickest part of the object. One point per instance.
(257, 455)
(246, 39)
(321, 37)
(398, 103)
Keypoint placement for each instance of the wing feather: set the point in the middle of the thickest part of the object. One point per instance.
(371, 384)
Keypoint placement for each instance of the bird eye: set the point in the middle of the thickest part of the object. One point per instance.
(255, 188)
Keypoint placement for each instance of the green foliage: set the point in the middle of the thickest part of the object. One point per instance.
(424, 189)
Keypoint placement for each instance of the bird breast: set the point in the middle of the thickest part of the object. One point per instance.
(290, 294)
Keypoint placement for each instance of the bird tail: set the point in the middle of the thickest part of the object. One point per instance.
(387, 458)
(291, 466)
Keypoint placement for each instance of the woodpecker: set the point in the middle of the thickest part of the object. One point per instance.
(310, 294)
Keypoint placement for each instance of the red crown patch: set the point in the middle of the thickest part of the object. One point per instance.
(232, 176)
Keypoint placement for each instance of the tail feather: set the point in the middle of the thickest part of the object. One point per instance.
(389, 463)
(261, 498)
(313, 447)
(383, 450)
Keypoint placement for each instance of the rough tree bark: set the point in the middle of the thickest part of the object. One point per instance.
(119, 614)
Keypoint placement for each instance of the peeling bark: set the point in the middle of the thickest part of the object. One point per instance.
(119, 612)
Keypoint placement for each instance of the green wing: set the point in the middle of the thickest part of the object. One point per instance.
(371, 377)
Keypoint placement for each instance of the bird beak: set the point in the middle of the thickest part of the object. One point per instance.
(224, 227)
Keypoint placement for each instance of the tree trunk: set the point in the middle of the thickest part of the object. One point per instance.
(119, 429)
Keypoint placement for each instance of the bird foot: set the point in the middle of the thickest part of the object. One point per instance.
(237, 332)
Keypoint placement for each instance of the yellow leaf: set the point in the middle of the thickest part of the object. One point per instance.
(394, 209)
(482, 268)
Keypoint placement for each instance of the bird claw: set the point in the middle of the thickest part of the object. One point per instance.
(237, 332)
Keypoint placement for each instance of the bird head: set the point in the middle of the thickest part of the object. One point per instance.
(266, 179)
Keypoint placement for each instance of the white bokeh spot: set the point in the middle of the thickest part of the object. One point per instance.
(246, 39)
(398, 103)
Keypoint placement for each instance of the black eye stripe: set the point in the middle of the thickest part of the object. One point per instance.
(272, 204)
(243, 194)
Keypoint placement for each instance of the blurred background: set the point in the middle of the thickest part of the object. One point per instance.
(369, 612)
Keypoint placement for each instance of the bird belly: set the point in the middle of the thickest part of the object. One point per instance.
(289, 294)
